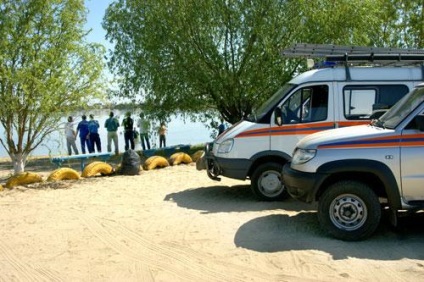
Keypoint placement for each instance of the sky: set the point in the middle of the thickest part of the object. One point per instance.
(96, 12)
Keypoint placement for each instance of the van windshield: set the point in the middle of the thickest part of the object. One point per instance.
(402, 109)
(267, 107)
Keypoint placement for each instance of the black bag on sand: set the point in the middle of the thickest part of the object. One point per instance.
(130, 163)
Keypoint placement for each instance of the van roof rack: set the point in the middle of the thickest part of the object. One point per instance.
(357, 55)
(328, 50)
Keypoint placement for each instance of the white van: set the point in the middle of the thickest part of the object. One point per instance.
(319, 99)
(356, 173)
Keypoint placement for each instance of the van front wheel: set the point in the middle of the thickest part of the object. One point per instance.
(266, 182)
(349, 210)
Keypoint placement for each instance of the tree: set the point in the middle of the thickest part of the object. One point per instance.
(46, 69)
(223, 56)
(199, 56)
(400, 23)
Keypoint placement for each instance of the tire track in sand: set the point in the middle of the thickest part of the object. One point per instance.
(141, 251)
(21, 271)
(187, 265)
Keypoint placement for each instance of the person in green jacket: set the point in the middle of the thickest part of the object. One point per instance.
(128, 124)
(112, 125)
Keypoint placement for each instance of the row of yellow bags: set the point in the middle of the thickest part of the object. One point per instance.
(96, 168)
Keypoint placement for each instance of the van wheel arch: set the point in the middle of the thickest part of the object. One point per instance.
(366, 177)
(375, 174)
(267, 157)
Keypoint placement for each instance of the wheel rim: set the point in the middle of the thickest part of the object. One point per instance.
(348, 212)
(270, 183)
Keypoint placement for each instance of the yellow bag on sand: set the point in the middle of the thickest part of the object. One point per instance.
(63, 173)
(155, 162)
(23, 179)
(179, 158)
(95, 168)
(197, 155)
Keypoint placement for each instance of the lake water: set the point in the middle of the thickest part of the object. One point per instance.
(179, 132)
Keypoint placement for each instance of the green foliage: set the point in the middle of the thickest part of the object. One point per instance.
(46, 69)
(400, 23)
(219, 56)
(198, 56)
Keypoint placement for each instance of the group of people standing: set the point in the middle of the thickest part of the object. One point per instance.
(90, 138)
(88, 133)
(143, 131)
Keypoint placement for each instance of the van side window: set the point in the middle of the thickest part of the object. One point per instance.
(307, 104)
(361, 101)
(390, 94)
(358, 103)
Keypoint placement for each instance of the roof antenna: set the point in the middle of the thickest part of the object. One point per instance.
(348, 77)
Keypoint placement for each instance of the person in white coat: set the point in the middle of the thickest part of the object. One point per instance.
(143, 129)
(71, 136)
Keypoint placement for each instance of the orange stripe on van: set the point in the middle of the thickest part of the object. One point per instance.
(352, 123)
(295, 129)
(378, 142)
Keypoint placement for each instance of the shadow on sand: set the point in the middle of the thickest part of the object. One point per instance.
(282, 232)
(279, 233)
(238, 198)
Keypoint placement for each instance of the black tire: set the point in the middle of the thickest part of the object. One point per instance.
(266, 182)
(349, 210)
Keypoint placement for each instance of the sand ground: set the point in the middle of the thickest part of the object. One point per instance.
(175, 224)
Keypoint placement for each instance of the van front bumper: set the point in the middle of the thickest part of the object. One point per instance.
(301, 185)
(231, 168)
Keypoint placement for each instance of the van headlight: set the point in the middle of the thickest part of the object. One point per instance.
(226, 146)
(302, 156)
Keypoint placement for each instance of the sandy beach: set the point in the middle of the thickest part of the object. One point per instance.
(175, 224)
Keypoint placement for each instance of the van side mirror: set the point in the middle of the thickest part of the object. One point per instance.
(278, 116)
(419, 121)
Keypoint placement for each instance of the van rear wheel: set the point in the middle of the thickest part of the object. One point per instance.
(266, 182)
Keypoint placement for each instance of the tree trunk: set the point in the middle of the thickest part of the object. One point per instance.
(18, 161)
